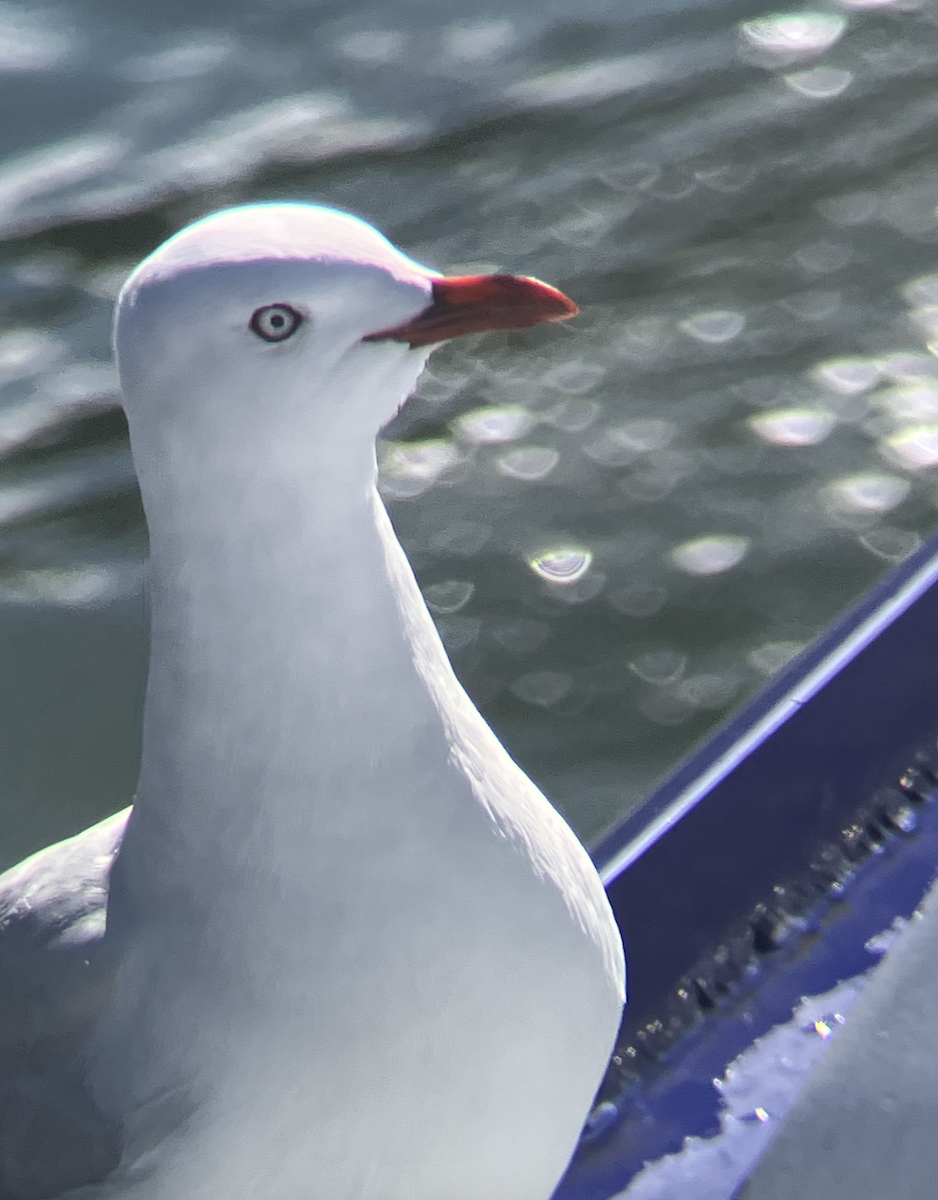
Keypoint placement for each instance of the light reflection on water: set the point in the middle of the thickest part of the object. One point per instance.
(737, 435)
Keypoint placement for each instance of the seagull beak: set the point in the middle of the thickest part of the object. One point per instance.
(480, 303)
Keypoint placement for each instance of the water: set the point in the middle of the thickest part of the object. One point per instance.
(623, 525)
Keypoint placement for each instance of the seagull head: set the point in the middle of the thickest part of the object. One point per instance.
(282, 304)
(282, 326)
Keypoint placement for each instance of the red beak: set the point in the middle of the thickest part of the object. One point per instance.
(480, 303)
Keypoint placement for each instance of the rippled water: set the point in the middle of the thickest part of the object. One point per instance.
(624, 524)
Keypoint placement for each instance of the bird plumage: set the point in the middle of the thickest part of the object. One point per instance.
(352, 952)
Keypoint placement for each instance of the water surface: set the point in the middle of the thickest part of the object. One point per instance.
(623, 525)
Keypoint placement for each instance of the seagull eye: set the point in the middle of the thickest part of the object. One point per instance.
(276, 322)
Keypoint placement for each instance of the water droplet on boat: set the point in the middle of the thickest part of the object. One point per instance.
(600, 1121)
(881, 943)
(905, 819)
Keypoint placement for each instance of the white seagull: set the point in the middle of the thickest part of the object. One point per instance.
(342, 948)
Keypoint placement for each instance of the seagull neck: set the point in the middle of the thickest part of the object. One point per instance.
(284, 694)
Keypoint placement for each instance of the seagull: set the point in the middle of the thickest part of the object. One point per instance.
(341, 947)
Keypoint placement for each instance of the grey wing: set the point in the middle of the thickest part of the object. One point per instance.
(54, 985)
